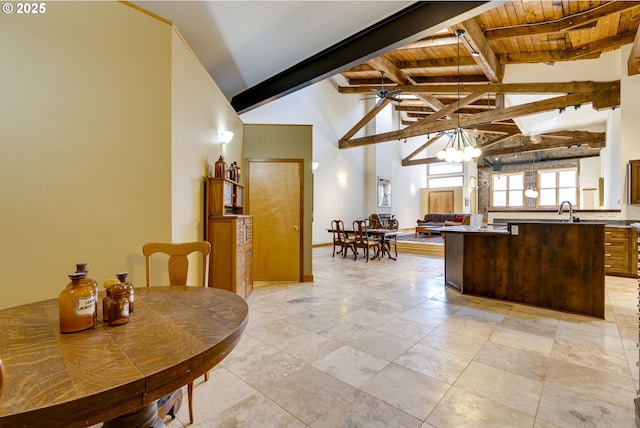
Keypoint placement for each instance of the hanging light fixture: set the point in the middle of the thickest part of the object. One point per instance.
(459, 148)
(531, 192)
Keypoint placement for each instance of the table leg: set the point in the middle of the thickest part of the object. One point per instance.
(150, 416)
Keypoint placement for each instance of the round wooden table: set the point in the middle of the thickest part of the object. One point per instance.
(174, 336)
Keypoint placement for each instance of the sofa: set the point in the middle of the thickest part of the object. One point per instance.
(433, 221)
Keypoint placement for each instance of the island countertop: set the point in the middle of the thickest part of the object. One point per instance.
(555, 265)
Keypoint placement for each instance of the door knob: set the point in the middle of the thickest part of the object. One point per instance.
(296, 227)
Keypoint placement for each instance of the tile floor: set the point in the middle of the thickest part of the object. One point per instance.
(385, 344)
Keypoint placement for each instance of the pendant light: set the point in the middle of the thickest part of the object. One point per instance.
(459, 148)
(531, 192)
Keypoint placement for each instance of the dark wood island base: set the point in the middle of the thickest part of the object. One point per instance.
(557, 266)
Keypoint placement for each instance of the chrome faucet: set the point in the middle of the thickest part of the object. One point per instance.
(570, 210)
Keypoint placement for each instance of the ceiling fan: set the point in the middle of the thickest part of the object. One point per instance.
(383, 93)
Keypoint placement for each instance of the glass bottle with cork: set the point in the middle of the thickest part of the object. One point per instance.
(130, 295)
(77, 304)
(118, 305)
(82, 267)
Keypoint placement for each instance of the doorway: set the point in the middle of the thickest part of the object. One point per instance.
(275, 200)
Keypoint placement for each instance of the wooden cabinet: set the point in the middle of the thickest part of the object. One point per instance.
(620, 251)
(224, 196)
(231, 239)
(231, 236)
(633, 182)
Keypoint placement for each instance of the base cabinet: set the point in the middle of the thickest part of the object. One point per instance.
(620, 251)
(231, 239)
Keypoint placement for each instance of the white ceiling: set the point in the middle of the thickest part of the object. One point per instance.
(242, 43)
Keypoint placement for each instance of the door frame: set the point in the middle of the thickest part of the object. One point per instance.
(300, 162)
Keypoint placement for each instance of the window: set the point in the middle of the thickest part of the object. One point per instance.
(445, 174)
(557, 186)
(507, 190)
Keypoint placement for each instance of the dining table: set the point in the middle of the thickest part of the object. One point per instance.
(382, 234)
(108, 373)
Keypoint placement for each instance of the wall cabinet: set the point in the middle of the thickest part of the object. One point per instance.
(224, 196)
(620, 251)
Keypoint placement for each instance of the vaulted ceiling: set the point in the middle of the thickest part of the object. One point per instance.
(455, 76)
(257, 51)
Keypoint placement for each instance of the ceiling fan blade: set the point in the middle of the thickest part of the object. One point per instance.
(398, 100)
(379, 102)
(394, 92)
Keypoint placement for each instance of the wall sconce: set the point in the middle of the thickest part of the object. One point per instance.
(342, 180)
(224, 136)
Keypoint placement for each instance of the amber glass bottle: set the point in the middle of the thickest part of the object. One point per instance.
(105, 305)
(77, 303)
(82, 267)
(220, 168)
(118, 305)
(130, 295)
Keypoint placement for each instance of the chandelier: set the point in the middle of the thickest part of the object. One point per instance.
(459, 148)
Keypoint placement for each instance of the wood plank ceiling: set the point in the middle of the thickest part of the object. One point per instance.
(516, 32)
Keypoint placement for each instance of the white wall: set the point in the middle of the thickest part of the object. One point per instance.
(105, 132)
(85, 114)
(198, 111)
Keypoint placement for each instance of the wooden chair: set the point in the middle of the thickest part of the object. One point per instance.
(362, 240)
(392, 241)
(341, 239)
(374, 222)
(178, 266)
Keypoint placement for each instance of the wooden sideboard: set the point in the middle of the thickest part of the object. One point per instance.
(620, 251)
(230, 234)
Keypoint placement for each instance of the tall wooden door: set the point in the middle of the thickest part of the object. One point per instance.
(274, 198)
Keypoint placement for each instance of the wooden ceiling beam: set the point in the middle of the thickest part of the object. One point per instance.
(498, 140)
(472, 120)
(476, 41)
(507, 88)
(435, 63)
(429, 142)
(588, 50)
(559, 25)
(367, 117)
(449, 109)
(547, 144)
(399, 76)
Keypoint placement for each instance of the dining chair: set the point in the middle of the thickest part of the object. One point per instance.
(362, 240)
(374, 222)
(341, 239)
(392, 240)
(178, 266)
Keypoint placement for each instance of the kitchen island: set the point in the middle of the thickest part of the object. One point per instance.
(554, 265)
